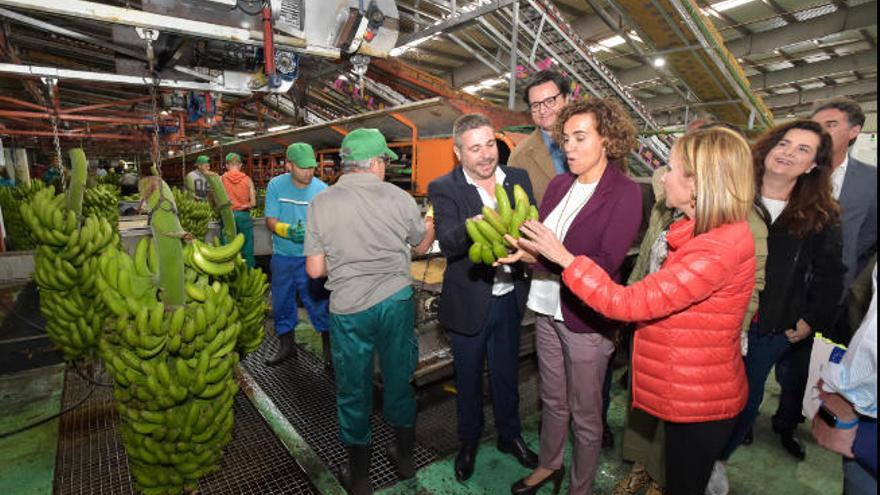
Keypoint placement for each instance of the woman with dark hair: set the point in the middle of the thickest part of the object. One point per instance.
(804, 271)
(687, 363)
(596, 209)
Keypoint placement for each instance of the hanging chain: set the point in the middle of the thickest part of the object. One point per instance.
(149, 35)
(53, 115)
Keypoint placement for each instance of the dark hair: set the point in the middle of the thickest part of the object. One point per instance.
(466, 123)
(546, 76)
(854, 114)
(811, 206)
(612, 123)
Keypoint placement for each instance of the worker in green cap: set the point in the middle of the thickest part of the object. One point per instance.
(287, 202)
(243, 196)
(360, 235)
(195, 181)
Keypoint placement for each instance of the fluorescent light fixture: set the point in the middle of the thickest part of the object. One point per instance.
(604, 45)
(727, 5)
(243, 134)
(472, 89)
(612, 41)
(400, 50)
(659, 62)
(495, 81)
(279, 128)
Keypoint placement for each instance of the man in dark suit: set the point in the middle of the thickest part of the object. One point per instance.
(480, 305)
(855, 187)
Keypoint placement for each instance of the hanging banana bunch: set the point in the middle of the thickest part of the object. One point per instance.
(193, 213)
(10, 200)
(102, 201)
(66, 262)
(176, 336)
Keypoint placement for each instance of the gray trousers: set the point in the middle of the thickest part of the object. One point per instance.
(572, 370)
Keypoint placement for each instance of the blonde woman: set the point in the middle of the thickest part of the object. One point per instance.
(687, 365)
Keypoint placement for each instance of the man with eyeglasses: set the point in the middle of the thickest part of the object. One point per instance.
(538, 154)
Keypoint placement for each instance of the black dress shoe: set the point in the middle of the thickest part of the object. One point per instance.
(750, 437)
(792, 445)
(518, 448)
(521, 488)
(464, 462)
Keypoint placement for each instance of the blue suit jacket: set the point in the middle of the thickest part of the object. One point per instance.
(858, 202)
(467, 287)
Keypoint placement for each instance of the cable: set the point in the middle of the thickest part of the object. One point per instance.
(10, 433)
(88, 378)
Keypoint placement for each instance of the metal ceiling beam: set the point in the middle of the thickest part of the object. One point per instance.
(867, 86)
(137, 18)
(45, 26)
(587, 27)
(52, 72)
(453, 22)
(765, 42)
(762, 82)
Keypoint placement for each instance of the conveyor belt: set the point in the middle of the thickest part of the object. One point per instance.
(91, 459)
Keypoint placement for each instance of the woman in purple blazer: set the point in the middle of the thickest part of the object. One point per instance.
(596, 209)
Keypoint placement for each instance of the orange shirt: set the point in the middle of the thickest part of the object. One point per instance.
(238, 188)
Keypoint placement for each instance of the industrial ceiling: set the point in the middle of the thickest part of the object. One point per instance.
(97, 88)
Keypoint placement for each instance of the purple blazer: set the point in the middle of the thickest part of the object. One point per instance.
(603, 230)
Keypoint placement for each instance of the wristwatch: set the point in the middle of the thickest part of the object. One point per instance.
(833, 421)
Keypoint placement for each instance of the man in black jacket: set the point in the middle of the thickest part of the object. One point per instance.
(480, 305)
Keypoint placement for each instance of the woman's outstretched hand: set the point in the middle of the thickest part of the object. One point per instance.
(519, 255)
(541, 240)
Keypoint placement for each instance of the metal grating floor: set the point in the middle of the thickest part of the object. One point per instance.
(91, 458)
(305, 393)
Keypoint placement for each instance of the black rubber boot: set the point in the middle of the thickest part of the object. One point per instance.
(357, 477)
(325, 348)
(286, 349)
(400, 452)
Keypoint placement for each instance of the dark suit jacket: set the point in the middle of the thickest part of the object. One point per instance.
(467, 287)
(858, 204)
(603, 230)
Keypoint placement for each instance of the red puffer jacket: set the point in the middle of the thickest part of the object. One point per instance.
(687, 366)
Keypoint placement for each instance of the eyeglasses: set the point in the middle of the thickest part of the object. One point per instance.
(548, 104)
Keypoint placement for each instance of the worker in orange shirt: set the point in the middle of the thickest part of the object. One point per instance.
(243, 196)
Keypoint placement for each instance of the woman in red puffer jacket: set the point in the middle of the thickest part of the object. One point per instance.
(687, 365)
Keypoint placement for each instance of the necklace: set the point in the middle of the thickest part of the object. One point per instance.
(563, 219)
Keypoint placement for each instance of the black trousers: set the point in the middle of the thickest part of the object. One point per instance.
(691, 452)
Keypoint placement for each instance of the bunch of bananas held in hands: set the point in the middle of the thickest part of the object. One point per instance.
(66, 270)
(488, 232)
(194, 214)
(102, 201)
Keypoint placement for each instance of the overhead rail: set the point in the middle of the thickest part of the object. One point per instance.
(716, 79)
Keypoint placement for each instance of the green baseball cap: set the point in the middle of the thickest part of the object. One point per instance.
(363, 144)
(301, 155)
(203, 160)
(233, 156)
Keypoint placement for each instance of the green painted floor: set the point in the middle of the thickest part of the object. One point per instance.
(758, 469)
(28, 465)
